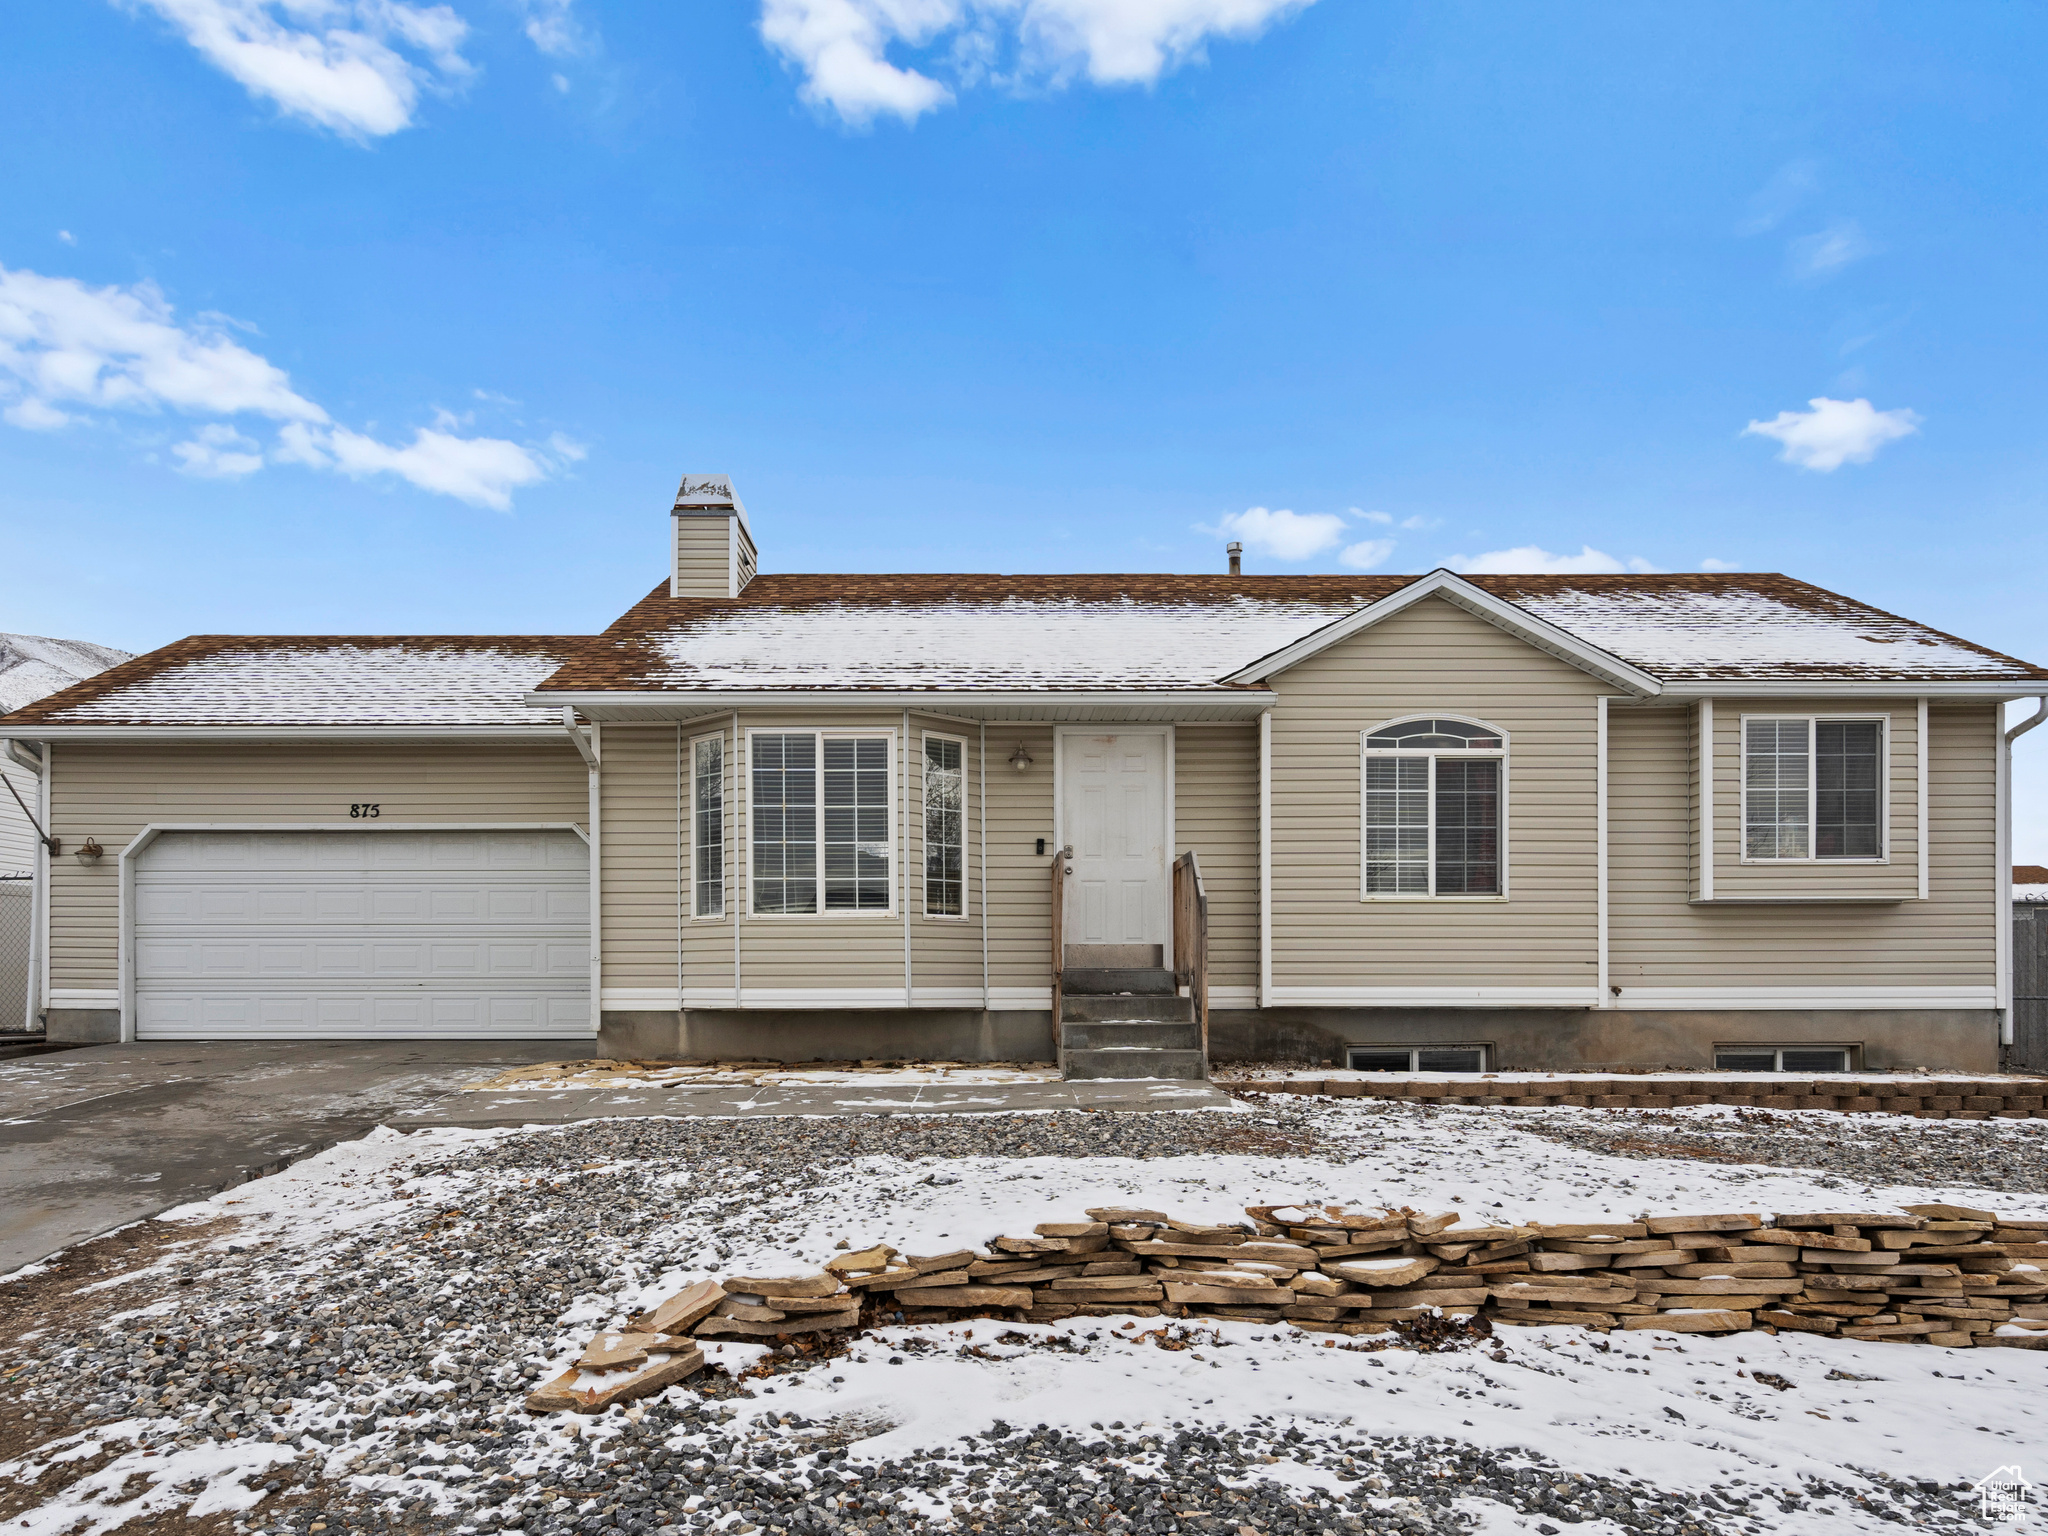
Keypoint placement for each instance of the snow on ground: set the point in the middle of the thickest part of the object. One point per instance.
(1683, 1412)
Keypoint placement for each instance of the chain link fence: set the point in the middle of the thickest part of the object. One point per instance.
(2029, 1049)
(17, 905)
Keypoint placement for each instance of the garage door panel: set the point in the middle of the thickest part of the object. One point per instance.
(363, 934)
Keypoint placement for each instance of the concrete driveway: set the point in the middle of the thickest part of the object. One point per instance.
(98, 1137)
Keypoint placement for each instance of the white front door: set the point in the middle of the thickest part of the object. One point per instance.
(1113, 814)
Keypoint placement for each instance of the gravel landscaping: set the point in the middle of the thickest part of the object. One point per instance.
(2009, 1156)
(369, 1381)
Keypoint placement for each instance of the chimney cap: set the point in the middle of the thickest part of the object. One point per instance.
(1236, 552)
(709, 496)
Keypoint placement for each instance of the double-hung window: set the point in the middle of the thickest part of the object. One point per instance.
(945, 827)
(707, 825)
(1434, 822)
(1812, 788)
(820, 827)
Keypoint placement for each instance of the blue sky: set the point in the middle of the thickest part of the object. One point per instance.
(360, 315)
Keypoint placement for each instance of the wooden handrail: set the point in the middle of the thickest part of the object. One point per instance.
(1059, 953)
(1191, 940)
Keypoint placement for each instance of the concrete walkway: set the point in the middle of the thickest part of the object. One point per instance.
(98, 1137)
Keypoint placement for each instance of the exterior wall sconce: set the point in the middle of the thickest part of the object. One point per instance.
(1020, 759)
(89, 851)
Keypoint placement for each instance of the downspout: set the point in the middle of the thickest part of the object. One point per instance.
(983, 760)
(1605, 997)
(906, 859)
(587, 747)
(2005, 1025)
(36, 986)
(1266, 859)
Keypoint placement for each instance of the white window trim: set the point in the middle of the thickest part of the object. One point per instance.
(1884, 784)
(966, 912)
(1367, 754)
(725, 826)
(745, 796)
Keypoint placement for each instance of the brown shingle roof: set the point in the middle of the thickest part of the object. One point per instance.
(1140, 631)
(326, 680)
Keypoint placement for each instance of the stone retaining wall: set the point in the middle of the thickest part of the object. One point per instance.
(1946, 1099)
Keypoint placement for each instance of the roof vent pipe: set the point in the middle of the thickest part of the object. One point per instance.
(1236, 553)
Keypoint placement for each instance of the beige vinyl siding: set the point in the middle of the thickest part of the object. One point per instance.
(821, 952)
(946, 951)
(1661, 939)
(1897, 877)
(707, 941)
(646, 877)
(750, 562)
(1020, 811)
(638, 870)
(703, 554)
(1434, 659)
(1216, 816)
(110, 792)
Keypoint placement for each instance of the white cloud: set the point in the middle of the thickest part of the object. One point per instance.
(1284, 535)
(551, 26)
(842, 46)
(219, 452)
(353, 66)
(1372, 517)
(1711, 564)
(1820, 256)
(67, 237)
(1529, 560)
(69, 352)
(483, 471)
(1834, 432)
(65, 344)
(1365, 554)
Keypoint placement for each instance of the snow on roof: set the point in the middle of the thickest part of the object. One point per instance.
(1767, 628)
(1180, 632)
(35, 666)
(369, 680)
(1018, 644)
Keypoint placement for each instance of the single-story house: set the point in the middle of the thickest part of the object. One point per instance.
(1437, 821)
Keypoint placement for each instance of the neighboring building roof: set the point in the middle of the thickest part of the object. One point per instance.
(35, 666)
(807, 633)
(314, 680)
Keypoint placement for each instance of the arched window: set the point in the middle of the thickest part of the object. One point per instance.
(1434, 822)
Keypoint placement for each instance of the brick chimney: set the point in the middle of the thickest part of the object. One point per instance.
(711, 548)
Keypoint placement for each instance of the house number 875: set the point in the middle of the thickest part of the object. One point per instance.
(365, 812)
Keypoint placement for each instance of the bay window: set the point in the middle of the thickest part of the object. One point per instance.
(820, 828)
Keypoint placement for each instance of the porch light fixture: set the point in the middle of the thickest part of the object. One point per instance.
(1020, 759)
(89, 851)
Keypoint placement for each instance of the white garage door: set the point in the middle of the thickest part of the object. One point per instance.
(370, 935)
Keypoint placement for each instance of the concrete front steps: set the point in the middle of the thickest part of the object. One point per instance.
(1126, 1022)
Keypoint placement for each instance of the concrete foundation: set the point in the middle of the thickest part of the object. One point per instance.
(1602, 1039)
(890, 1034)
(83, 1026)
